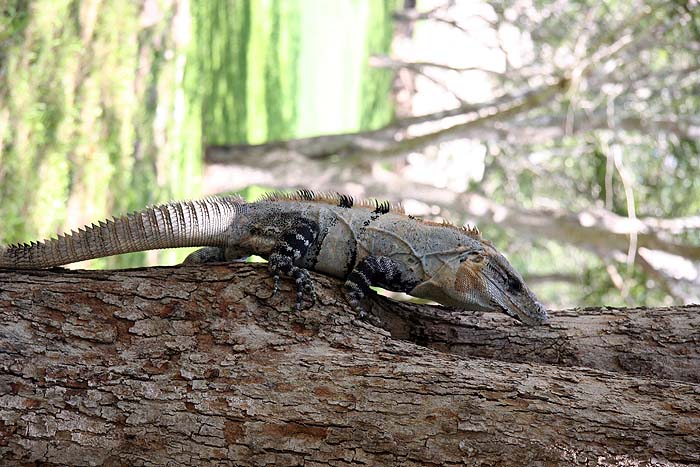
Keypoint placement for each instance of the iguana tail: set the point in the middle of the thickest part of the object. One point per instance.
(179, 224)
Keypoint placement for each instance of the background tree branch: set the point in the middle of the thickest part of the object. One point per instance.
(390, 141)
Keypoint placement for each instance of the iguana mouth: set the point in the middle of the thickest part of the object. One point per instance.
(532, 315)
(532, 318)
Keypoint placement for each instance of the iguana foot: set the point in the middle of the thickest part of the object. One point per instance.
(353, 295)
(305, 286)
(280, 264)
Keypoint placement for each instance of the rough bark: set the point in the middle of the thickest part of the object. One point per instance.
(200, 366)
(662, 343)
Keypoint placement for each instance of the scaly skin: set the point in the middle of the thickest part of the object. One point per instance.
(365, 243)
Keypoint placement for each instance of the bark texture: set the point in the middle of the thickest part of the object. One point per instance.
(200, 366)
(662, 343)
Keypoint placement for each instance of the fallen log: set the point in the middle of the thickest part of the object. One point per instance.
(201, 366)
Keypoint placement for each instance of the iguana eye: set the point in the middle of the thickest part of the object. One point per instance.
(473, 256)
(514, 284)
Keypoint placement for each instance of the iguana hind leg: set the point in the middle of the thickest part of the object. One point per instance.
(210, 254)
(291, 247)
(214, 254)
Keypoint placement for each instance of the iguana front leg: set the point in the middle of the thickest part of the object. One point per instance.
(380, 271)
(292, 246)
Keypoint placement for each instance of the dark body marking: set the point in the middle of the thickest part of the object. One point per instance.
(345, 201)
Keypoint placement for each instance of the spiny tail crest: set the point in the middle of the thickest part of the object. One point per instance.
(178, 224)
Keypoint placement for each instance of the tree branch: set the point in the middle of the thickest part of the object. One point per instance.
(387, 142)
(382, 61)
(598, 338)
(597, 230)
(200, 365)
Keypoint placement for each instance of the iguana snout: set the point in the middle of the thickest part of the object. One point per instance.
(486, 280)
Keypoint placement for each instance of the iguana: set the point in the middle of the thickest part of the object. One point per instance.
(366, 243)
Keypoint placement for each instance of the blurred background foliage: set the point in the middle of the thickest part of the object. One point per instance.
(567, 130)
(105, 105)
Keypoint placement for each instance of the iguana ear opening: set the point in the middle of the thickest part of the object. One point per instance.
(476, 256)
(469, 275)
(469, 286)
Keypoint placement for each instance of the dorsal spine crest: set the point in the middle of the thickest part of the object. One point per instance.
(336, 199)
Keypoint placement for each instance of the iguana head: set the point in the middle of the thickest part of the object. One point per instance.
(478, 277)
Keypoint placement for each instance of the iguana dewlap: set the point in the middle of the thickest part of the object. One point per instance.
(367, 244)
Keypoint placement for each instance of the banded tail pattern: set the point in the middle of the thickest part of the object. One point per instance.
(179, 224)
